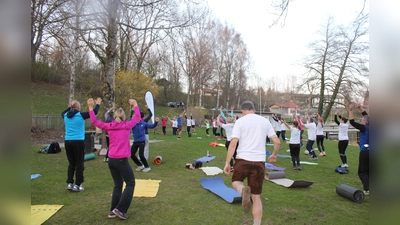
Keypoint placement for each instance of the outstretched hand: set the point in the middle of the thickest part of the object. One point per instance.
(132, 102)
(98, 101)
(90, 103)
(157, 119)
(351, 106)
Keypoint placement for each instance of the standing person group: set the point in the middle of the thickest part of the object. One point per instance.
(74, 121)
(119, 153)
(363, 160)
(251, 131)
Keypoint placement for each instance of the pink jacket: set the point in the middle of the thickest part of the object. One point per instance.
(119, 134)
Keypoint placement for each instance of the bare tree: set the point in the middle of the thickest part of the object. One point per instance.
(338, 61)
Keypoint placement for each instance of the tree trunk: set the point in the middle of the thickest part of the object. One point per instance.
(111, 50)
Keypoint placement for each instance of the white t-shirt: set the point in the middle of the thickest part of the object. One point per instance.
(193, 122)
(294, 135)
(252, 131)
(283, 126)
(188, 122)
(311, 130)
(320, 129)
(343, 131)
(174, 123)
(228, 130)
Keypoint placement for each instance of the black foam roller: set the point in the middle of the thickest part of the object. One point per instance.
(350, 193)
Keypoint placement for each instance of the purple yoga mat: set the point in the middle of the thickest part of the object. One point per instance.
(272, 167)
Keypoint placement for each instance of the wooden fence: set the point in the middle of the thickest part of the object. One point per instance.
(52, 122)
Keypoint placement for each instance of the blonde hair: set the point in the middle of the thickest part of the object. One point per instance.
(229, 120)
(119, 115)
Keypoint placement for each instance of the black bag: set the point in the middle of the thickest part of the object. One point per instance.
(54, 148)
(341, 170)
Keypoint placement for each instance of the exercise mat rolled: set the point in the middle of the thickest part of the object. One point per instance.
(157, 160)
(88, 156)
(350, 193)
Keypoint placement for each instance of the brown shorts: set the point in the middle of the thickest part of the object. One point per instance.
(253, 171)
(179, 128)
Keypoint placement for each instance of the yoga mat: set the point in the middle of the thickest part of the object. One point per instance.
(308, 163)
(88, 157)
(214, 144)
(206, 159)
(280, 178)
(278, 155)
(217, 186)
(350, 193)
(145, 188)
(211, 170)
(272, 167)
(41, 213)
(34, 176)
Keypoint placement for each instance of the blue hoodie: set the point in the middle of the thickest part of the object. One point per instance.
(74, 121)
(139, 130)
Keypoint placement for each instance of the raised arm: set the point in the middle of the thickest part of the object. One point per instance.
(85, 115)
(336, 116)
(222, 114)
(286, 125)
(356, 125)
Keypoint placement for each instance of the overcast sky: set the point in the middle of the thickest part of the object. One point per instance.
(276, 51)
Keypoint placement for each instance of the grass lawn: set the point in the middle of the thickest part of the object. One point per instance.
(181, 198)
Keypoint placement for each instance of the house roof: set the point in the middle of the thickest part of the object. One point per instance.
(289, 104)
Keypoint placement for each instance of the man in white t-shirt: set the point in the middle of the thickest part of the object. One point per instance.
(251, 131)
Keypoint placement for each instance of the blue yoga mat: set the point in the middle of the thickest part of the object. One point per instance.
(217, 186)
(206, 159)
(278, 155)
(34, 176)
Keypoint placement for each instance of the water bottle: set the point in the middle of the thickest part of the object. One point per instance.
(208, 153)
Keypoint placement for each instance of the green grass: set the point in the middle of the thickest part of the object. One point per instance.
(181, 198)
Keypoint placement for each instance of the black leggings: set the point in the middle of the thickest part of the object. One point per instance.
(164, 129)
(234, 154)
(342, 145)
(363, 169)
(320, 143)
(295, 154)
(283, 132)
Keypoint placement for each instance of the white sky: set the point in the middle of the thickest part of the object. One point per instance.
(276, 51)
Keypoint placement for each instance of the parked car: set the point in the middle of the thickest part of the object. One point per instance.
(176, 104)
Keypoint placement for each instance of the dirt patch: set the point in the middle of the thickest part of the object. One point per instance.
(42, 136)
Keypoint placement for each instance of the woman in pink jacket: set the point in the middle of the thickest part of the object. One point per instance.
(119, 152)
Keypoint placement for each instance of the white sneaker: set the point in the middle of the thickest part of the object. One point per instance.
(146, 169)
(344, 165)
(78, 188)
(139, 168)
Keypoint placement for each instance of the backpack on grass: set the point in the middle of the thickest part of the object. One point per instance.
(54, 147)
